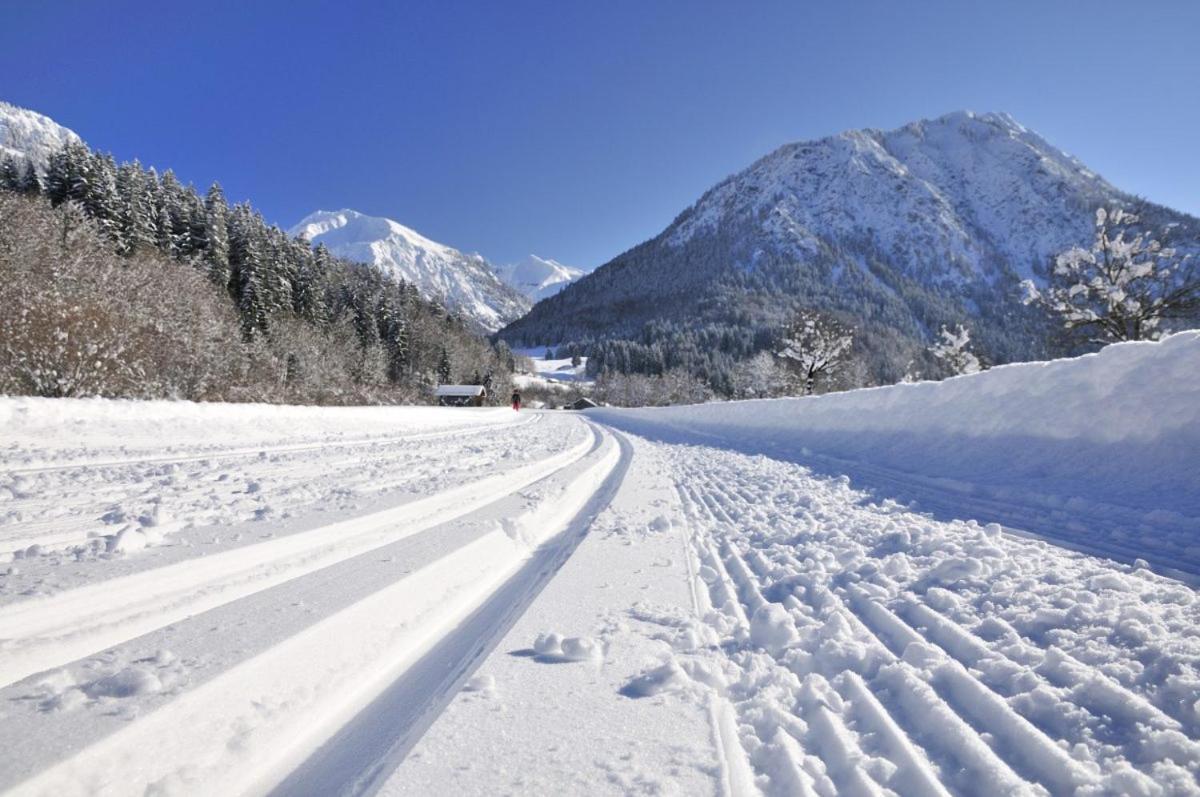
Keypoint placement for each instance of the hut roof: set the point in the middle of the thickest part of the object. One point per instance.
(460, 390)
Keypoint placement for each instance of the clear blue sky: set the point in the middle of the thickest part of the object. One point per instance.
(575, 130)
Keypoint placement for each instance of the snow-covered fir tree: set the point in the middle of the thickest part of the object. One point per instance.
(216, 253)
(10, 174)
(31, 183)
(1123, 288)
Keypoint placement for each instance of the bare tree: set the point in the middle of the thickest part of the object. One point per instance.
(816, 348)
(1123, 288)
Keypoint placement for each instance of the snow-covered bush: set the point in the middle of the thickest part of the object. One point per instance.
(1123, 288)
(953, 351)
(79, 320)
(816, 348)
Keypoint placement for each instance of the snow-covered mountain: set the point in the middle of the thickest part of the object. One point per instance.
(897, 232)
(25, 134)
(466, 282)
(538, 277)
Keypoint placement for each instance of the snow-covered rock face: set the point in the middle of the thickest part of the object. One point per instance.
(28, 135)
(942, 194)
(539, 277)
(466, 282)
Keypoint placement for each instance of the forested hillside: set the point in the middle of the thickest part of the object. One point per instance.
(119, 281)
(895, 235)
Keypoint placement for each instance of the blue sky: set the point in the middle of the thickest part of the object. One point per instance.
(576, 130)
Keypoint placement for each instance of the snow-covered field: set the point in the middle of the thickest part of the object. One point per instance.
(554, 373)
(981, 586)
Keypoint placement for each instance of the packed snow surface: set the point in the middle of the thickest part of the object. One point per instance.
(466, 282)
(780, 598)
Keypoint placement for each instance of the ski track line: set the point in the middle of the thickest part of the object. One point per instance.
(295, 695)
(361, 756)
(740, 593)
(1031, 520)
(41, 633)
(1023, 743)
(61, 531)
(254, 451)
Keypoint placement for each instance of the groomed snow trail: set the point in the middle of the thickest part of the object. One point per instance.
(839, 643)
(220, 658)
(865, 648)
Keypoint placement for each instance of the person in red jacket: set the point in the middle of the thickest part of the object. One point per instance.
(516, 400)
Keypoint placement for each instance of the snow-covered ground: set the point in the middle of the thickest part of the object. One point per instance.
(552, 373)
(911, 590)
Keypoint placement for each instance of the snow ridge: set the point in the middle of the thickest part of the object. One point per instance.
(25, 134)
(465, 282)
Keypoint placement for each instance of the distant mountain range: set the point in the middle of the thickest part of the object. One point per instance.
(465, 282)
(894, 232)
(490, 296)
(26, 134)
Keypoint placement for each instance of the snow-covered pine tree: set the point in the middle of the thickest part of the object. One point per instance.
(137, 210)
(64, 173)
(1123, 288)
(443, 367)
(98, 194)
(172, 218)
(31, 184)
(10, 174)
(247, 260)
(953, 352)
(816, 347)
(216, 220)
(196, 218)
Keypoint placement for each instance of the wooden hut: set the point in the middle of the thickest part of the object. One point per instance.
(581, 403)
(460, 395)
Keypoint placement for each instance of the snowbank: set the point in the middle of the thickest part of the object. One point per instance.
(1119, 427)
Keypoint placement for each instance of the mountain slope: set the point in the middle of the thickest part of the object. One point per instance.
(27, 134)
(538, 277)
(897, 232)
(465, 282)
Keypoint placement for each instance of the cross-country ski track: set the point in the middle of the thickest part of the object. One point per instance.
(446, 601)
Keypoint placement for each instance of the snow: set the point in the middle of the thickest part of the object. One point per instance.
(466, 282)
(553, 372)
(27, 134)
(538, 277)
(819, 596)
(956, 185)
(1101, 450)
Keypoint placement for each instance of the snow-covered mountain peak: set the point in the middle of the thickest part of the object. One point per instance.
(539, 277)
(28, 134)
(350, 225)
(962, 178)
(465, 282)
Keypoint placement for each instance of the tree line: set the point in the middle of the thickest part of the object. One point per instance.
(268, 317)
(1137, 281)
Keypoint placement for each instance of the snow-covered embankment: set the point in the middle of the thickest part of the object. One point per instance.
(1106, 445)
